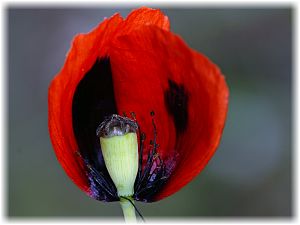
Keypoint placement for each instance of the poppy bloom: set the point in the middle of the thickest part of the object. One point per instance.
(133, 77)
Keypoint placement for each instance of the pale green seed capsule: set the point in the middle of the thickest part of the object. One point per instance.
(119, 145)
(120, 154)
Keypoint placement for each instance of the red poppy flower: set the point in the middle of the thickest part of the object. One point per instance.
(137, 65)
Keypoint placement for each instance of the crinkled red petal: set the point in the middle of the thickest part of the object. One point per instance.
(143, 64)
(85, 50)
(144, 57)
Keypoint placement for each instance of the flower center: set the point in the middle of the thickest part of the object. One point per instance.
(118, 140)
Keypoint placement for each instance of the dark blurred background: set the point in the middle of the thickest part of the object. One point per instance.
(250, 174)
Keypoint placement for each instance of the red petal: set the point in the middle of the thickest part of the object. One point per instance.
(146, 17)
(143, 59)
(85, 50)
(142, 65)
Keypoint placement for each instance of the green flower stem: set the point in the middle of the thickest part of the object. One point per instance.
(128, 210)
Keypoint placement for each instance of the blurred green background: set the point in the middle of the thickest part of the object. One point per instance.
(250, 174)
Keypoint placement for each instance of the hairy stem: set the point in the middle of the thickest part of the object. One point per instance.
(128, 210)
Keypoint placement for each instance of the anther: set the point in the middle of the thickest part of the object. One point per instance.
(133, 115)
(156, 155)
(143, 136)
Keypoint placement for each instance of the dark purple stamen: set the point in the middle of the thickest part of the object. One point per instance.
(150, 180)
(97, 179)
(150, 177)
